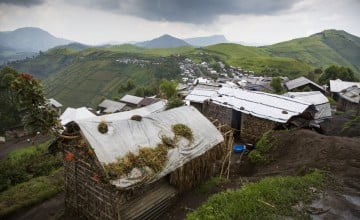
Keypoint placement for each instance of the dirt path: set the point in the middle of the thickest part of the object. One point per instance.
(9, 146)
(51, 209)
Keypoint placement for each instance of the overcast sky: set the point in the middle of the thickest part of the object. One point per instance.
(251, 21)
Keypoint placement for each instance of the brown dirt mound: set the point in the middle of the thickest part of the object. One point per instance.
(297, 151)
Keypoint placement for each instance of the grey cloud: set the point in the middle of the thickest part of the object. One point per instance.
(26, 3)
(190, 11)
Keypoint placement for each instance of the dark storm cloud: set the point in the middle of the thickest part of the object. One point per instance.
(26, 3)
(191, 11)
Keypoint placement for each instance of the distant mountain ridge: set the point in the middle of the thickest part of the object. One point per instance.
(26, 42)
(206, 41)
(164, 41)
(30, 39)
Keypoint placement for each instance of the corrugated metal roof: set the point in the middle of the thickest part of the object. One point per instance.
(301, 81)
(339, 85)
(72, 114)
(263, 105)
(55, 103)
(351, 94)
(148, 101)
(131, 99)
(202, 93)
(147, 110)
(111, 106)
(129, 135)
(315, 97)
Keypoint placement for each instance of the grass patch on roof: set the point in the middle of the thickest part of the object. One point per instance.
(154, 158)
(271, 198)
(183, 131)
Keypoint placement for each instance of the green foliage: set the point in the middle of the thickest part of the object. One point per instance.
(276, 85)
(209, 185)
(168, 88)
(271, 198)
(130, 84)
(23, 164)
(174, 102)
(31, 192)
(39, 115)
(9, 111)
(337, 72)
(263, 146)
(355, 120)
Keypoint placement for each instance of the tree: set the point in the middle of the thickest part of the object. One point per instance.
(337, 72)
(38, 114)
(168, 88)
(276, 85)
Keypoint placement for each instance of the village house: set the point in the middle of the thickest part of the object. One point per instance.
(132, 166)
(74, 114)
(131, 100)
(348, 99)
(109, 106)
(337, 86)
(148, 101)
(252, 113)
(319, 100)
(57, 106)
(301, 84)
(200, 94)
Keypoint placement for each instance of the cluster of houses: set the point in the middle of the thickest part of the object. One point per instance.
(97, 145)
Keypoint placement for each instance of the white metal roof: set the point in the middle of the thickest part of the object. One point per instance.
(129, 135)
(351, 94)
(339, 85)
(263, 105)
(111, 106)
(301, 81)
(147, 110)
(201, 93)
(315, 97)
(55, 103)
(73, 114)
(131, 99)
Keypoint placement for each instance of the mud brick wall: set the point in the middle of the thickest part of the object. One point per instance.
(344, 105)
(214, 111)
(253, 127)
(85, 195)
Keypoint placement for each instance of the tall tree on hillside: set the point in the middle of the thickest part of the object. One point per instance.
(337, 72)
(9, 111)
(38, 114)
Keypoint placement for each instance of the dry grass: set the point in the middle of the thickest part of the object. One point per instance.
(183, 130)
(102, 127)
(155, 158)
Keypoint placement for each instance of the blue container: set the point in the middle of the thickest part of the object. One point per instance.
(239, 148)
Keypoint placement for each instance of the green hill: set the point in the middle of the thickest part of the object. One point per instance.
(84, 76)
(257, 59)
(322, 49)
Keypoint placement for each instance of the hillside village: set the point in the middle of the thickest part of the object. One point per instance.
(189, 148)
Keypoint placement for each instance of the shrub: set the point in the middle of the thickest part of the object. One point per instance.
(263, 146)
(174, 102)
(24, 164)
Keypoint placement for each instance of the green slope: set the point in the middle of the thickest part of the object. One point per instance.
(77, 78)
(322, 50)
(257, 59)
